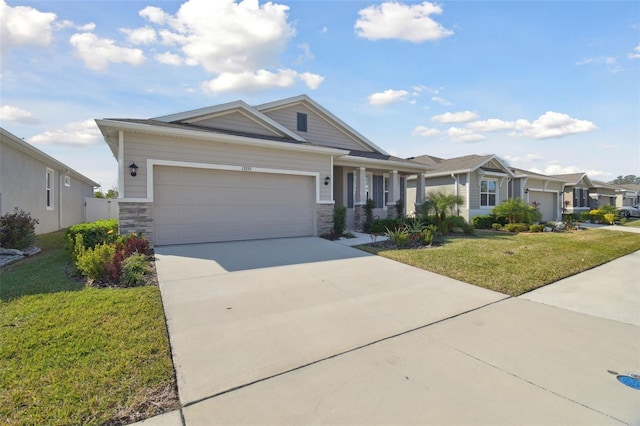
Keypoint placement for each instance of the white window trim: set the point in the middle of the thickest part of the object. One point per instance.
(385, 190)
(49, 188)
(496, 193)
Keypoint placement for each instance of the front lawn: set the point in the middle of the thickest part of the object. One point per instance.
(517, 263)
(71, 354)
(633, 223)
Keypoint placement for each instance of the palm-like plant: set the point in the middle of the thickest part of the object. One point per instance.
(442, 203)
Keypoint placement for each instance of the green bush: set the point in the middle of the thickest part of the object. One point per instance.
(483, 221)
(496, 226)
(536, 228)
(17, 230)
(368, 211)
(339, 220)
(379, 226)
(428, 235)
(93, 233)
(93, 262)
(610, 218)
(399, 237)
(134, 268)
(516, 227)
(468, 228)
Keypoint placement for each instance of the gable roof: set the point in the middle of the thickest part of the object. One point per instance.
(574, 179)
(464, 164)
(527, 173)
(27, 148)
(323, 112)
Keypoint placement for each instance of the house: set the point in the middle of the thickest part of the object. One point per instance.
(48, 190)
(629, 195)
(575, 196)
(481, 180)
(545, 192)
(603, 194)
(236, 172)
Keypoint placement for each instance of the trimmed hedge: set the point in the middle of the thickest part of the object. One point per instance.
(93, 233)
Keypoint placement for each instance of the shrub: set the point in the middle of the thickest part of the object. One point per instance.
(516, 227)
(483, 221)
(608, 209)
(428, 235)
(339, 219)
(399, 237)
(400, 208)
(517, 211)
(379, 226)
(596, 215)
(610, 218)
(454, 222)
(536, 228)
(134, 268)
(468, 228)
(93, 262)
(368, 211)
(93, 233)
(17, 230)
(496, 226)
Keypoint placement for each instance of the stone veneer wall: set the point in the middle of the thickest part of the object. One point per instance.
(392, 213)
(138, 218)
(324, 215)
(360, 214)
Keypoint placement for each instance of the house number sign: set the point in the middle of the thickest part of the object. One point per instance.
(246, 168)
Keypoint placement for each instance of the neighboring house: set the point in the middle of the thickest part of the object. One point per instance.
(542, 190)
(629, 195)
(33, 181)
(575, 196)
(603, 194)
(481, 180)
(237, 172)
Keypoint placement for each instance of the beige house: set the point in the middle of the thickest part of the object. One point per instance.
(33, 181)
(236, 172)
(603, 194)
(542, 190)
(575, 196)
(481, 180)
(629, 195)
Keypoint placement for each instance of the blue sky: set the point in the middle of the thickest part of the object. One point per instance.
(552, 87)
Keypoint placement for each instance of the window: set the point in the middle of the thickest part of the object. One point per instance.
(48, 186)
(386, 191)
(302, 122)
(488, 192)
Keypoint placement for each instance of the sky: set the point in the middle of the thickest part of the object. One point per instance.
(548, 86)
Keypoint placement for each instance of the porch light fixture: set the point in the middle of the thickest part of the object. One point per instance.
(327, 180)
(526, 190)
(133, 168)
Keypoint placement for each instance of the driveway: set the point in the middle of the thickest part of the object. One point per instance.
(307, 331)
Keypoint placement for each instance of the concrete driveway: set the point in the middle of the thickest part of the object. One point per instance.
(308, 331)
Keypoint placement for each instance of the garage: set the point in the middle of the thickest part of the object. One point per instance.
(193, 205)
(547, 204)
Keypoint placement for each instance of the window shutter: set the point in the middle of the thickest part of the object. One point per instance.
(378, 191)
(349, 190)
(402, 191)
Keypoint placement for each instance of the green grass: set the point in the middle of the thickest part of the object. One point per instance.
(633, 223)
(517, 263)
(71, 354)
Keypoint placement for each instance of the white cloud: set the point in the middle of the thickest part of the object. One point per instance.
(144, 35)
(426, 132)
(250, 81)
(17, 115)
(226, 37)
(608, 146)
(23, 25)
(457, 134)
(392, 20)
(96, 53)
(455, 117)
(80, 134)
(169, 58)
(636, 53)
(526, 158)
(86, 27)
(306, 54)
(313, 81)
(491, 125)
(552, 125)
(387, 97)
(441, 101)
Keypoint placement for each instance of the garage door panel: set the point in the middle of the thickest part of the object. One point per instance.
(200, 205)
(546, 203)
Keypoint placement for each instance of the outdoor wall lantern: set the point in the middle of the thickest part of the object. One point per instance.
(326, 180)
(526, 190)
(133, 168)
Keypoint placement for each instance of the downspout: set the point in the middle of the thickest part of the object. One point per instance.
(457, 192)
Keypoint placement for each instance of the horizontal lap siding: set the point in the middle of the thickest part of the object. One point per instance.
(319, 131)
(139, 148)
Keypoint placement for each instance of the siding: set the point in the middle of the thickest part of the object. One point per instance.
(319, 130)
(236, 121)
(139, 148)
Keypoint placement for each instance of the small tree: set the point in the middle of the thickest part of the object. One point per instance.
(339, 220)
(17, 230)
(368, 210)
(443, 203)
(517, 211)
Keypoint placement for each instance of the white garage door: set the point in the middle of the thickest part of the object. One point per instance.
(201, 205)
(547, 204)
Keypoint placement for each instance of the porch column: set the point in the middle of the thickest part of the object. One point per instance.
(360, 198)
(394, 193)
(420, 188)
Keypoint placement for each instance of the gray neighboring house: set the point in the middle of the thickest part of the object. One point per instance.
(575, 196)
(238, 172)
(544, 191)
(481, 180)
(39, 184)
(629, 196)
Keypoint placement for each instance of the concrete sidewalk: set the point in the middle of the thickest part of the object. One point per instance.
(350, 338)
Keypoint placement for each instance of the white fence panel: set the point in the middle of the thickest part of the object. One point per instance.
(100, 208)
